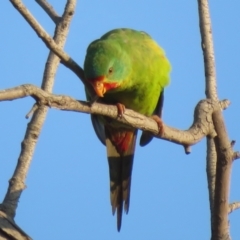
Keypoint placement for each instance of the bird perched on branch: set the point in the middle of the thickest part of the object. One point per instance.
(127, 68)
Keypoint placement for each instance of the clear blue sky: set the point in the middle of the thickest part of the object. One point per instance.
(67, 194)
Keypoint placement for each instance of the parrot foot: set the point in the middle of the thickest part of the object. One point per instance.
(159, 122)
(121, 109)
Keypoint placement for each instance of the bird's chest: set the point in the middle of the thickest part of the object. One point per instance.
(139, 100)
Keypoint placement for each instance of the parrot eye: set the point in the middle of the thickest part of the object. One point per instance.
(110, 70)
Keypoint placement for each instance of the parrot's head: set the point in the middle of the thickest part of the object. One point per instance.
(106, 66)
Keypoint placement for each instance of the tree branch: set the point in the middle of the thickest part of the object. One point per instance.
(49, 10)
(220, 154)
(16, 183)
(211, 92)
(201, 126)
(233, 206)
(46, 38)
(223, 174)
(208, 49)
(9, 229)
(236, 155)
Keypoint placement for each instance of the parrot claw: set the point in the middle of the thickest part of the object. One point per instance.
(121, 109)
(159, 122)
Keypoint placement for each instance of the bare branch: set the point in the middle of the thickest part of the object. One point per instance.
(223, 173)
(201, 126)
(16, 184)
(233, 143)
(60, 36)
(9, 229)
(46, 38)
(211, 92)
(211, 173)
(233, 206)
(236, 155)
(218, 172)
(208, 50)
(49, 10)
(32, 110)
(187, 149)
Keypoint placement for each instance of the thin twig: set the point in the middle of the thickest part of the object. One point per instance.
(233, 143)
(49, 10)
(233, 206)
(187, 149)
(32, 111)
(236, 155)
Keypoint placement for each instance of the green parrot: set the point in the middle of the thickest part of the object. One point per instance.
(127, 68)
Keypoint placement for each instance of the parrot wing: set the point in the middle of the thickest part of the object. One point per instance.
(99, 128)
(146, 136)
(96, 121)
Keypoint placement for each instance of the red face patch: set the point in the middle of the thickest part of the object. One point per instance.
(107, 85)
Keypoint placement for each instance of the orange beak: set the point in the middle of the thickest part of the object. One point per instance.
(101, 85)
(99, 88)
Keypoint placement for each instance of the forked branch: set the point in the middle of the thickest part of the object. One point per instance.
(47, 39)
(219, 166)
(49, 10)
(8, 228)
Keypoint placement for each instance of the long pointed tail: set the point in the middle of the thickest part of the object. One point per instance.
(120, 148)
